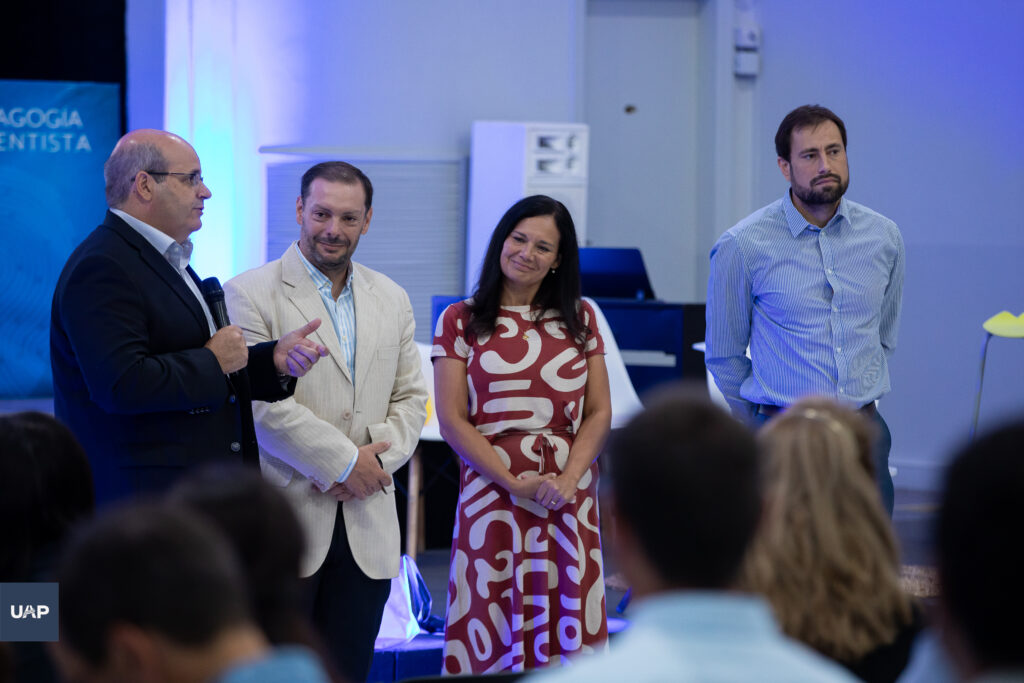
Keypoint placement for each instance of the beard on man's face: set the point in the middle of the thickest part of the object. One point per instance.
(830, 194)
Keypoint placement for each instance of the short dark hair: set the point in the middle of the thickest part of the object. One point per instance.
(265, 534)
(978, 559)
(337, 172)
(158, 568)
(559, 290)
(807, 115)
(45, 488)
(686, 481)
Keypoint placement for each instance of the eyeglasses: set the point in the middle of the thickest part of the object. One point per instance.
(192, 178)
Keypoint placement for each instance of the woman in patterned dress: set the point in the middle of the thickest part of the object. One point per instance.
(522, 396)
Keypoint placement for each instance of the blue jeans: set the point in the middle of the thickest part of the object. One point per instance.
(882, 447)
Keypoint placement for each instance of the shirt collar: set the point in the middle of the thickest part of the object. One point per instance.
(323, 284)
(177, 254)
(797, 223)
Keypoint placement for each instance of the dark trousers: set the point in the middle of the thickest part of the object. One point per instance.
(881, 452)
(346, 606)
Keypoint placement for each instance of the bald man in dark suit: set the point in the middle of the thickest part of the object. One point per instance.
(141, 374)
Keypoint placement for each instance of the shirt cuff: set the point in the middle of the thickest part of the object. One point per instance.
(348, 471)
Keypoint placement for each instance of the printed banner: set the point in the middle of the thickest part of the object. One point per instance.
(54, 138)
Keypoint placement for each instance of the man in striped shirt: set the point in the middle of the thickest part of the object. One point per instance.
(812, 283)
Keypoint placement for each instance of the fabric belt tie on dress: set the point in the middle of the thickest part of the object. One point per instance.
(545, 450)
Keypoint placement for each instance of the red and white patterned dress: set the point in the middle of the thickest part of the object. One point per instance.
(526, 586)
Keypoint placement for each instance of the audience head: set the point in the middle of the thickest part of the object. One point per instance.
(687, 464)
(825, 556)
(820, 452)
(140, 585)
(806, 116)
(559, 290)
(864, 431)
(979, 551)
(262, 529)
(46, 485)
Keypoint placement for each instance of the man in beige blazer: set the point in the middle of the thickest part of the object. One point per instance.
(353, 421)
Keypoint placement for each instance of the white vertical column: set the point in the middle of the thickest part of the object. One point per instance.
(727, 150)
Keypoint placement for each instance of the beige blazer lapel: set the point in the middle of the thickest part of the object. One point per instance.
(300, 290)
(366, 305)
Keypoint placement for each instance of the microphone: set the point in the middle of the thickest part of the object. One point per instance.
(239, 379)
(214, 295)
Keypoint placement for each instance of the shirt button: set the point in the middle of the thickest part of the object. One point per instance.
(235, 446)
(835, 308)
(232, 398)
(839, 349)
(842, 391)
(347, 415)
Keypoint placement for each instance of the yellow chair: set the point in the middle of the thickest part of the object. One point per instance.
(1004, 324)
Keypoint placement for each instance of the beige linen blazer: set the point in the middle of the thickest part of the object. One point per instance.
(309, 439)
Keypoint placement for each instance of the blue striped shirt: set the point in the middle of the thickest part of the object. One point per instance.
(342, 313)
(820, 309)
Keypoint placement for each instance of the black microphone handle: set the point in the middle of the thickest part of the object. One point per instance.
(214, 295)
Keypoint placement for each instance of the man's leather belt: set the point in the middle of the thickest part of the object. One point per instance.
(868, 409)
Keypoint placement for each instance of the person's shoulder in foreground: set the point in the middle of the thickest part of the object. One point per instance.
(700, 636)
(686, 460)
(288, 664)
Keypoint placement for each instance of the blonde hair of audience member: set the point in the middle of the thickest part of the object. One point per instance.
(825, 557)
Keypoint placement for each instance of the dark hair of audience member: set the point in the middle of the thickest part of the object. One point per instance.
(7, 663)
(46, 486)
(826, 557)
(979, 548)
(265, 534)
(684, 469)
(161, 569)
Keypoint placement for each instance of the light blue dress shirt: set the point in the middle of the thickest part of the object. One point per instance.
(701, 636)
(285, 664)
(178, 255)
(819, 308)
(342, 312)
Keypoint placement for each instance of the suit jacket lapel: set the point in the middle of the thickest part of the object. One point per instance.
(303, 294)
(158, 264)
(366, 306)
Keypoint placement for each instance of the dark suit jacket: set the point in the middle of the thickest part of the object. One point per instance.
(130, 375)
